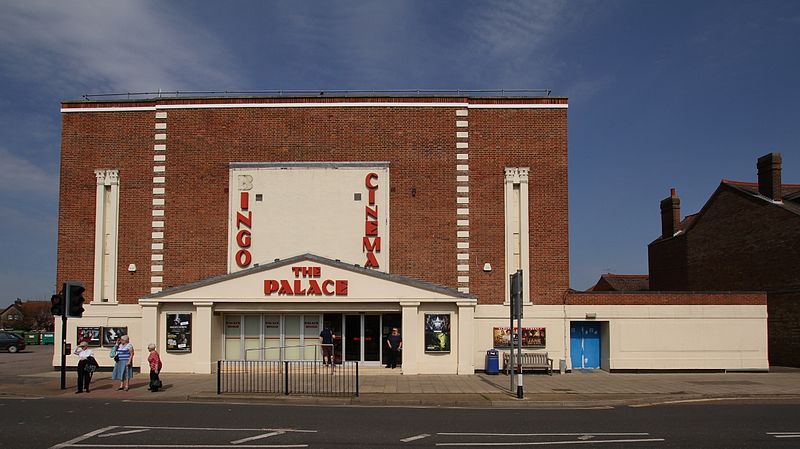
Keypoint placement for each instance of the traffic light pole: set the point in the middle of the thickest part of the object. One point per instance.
(64, 351)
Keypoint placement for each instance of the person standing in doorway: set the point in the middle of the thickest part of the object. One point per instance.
(395, 343)
(326, 341)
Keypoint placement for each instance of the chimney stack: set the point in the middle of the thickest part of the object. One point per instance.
(670, 215)
(769, 176)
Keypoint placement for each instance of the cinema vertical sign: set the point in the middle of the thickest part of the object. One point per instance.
(371, 243)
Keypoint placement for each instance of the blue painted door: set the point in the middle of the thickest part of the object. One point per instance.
(585, 344)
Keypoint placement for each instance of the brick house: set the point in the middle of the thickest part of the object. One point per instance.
(745, 238)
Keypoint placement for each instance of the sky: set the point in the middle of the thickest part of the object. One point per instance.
(661, 93)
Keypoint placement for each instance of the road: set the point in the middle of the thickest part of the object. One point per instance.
(89, 422)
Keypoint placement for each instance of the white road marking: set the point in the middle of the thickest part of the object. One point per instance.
(82, 437)
(603, 434)
(188, 445)
(257, 437)
(544, 443)
(586, 437)
(416, 437)
(106, 435)
(788, 435)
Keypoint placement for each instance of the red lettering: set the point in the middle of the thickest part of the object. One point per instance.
(298, 289)
(371, 244)
(243, 238)
(313, 288)
(372, 213)
(243, 258)
(270, 286)
(286, 288)
(341, 288)
(244, 200)
(371, 228)
(326, 284)
(316, 272)
(297, 271)
(371, 197)
(371, 262)
(368, 181)
(244, 220)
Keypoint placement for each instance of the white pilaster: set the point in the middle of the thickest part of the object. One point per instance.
(412, 332)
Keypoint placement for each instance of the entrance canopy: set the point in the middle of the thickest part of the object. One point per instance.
(307, 279)
(307, 287)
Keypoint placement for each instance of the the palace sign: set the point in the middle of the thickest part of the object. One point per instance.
(307, 282)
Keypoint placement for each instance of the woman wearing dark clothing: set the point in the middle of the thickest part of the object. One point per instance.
(86, 366)
(395, 343)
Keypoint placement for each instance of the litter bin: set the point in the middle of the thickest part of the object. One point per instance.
(32, 338)
(492, 362)
(47, 338)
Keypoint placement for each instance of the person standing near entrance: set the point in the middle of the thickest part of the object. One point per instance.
(326, 341)
(395, 343)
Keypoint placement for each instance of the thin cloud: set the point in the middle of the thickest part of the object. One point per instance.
(120, 46)
(21, 175)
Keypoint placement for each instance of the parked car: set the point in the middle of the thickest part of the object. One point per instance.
(11, 342)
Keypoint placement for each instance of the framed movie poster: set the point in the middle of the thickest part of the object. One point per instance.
(90, 335)
(111, 334)
(179, 332)
(437, 332)
(532, 337)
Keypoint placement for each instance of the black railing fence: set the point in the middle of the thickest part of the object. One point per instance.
(307, 378)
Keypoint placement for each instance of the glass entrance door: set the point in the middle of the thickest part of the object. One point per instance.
(362, 338)
(352, 336)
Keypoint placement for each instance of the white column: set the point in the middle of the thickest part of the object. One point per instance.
(466, 337)
(509, 231)
(99, 234)
(201, 337)
(149, 334)
(412, 343)
(524, 235)
(112, 178)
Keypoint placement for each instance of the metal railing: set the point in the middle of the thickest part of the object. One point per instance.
(300, 377)
(319, 93)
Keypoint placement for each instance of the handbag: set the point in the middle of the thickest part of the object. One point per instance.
(157, 384)
(116, 358)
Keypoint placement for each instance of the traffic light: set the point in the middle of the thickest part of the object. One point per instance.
(74, 294)
(516, 294)
(57, 304)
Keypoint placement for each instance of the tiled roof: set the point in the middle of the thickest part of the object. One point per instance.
(791, 193)
(622, 282)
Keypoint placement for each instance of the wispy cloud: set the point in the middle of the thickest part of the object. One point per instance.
(119, 46)
(21, 175)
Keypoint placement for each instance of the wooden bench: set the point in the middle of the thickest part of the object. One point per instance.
(530, 361)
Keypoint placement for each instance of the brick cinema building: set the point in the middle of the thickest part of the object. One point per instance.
(226, 228)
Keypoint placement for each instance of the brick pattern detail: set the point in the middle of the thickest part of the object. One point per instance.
(462, 199)
(159, 202)
(666, 298)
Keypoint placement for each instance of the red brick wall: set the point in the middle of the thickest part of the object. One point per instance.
(667, 262)
(418, 142)
(115, 140)
(519, 138)
(784, 328)
(743, 243)
(666, 298)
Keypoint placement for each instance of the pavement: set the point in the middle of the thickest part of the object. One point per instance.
(29, 375)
